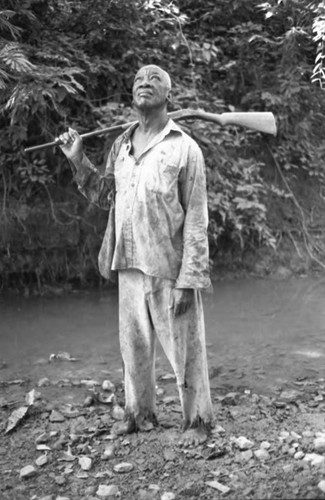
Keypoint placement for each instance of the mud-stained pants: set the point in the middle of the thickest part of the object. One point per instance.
(144, 315)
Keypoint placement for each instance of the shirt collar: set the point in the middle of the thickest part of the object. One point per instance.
(170, 126)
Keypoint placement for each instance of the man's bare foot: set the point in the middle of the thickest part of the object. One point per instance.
(193, 437)
(120, 428)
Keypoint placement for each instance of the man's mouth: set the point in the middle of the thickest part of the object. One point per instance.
(144, 93)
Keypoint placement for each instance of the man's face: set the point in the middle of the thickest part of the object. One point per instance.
(151, 88)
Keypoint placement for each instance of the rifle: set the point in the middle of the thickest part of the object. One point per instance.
(261, 121)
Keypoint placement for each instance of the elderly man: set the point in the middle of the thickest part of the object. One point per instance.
(154, 186)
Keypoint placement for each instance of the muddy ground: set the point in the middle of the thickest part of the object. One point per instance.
(263, 446)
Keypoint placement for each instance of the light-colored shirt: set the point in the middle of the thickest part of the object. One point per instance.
(158, 204)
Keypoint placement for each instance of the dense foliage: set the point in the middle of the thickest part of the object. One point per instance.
(71, 62)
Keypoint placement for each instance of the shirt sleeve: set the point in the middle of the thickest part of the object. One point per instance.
(96, 187)
(194, 272)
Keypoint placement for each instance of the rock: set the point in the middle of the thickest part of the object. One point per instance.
(90, 490)
(284, 435)
(314, 459)
(27, 471)
(62, 498)
(246, 455)
(288, 468)
(299, 455)
(289, 395)
(85, 463)
(218, 486)
(109, 453)
(319, 444)
(42, 460)
(43, 382)
(106, 491)
(168, 495)
(56, 416)
(262, 454)
(123, 467)
(154, 487)
(321, 485)
(47, 497)
(107, 385)
(60, 480)
(232, 398)
(89, 400)
(218, 430)
(295, 435)
(243, 443)
(308, 434)
(118, 413)
(265, 445)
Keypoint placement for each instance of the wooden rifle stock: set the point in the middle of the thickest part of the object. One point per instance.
(261, 121)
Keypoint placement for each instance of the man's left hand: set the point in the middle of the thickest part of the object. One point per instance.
(181, 300)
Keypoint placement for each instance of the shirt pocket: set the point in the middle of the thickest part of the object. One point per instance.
(163, 177)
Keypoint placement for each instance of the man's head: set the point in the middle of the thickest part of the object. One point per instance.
(151, 87)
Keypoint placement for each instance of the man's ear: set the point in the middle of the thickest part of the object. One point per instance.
(169, 97)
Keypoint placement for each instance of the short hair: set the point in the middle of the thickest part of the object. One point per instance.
(166, 75)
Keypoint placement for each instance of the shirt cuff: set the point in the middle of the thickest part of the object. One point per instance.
(82, 170)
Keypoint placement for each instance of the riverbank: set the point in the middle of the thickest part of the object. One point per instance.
(265, 342)
(263, 447)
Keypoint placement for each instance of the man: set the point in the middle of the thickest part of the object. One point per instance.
(156, 239)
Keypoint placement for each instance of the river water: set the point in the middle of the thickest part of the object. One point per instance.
(261, 334)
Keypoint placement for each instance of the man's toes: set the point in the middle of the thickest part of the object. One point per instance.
(120, 428)
(193, 437)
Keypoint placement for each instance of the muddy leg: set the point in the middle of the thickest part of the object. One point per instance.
(138, 345)
(183, 340)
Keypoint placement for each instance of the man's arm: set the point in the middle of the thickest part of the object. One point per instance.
(194, 272)
(97, 188)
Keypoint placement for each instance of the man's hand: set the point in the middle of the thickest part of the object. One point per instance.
(181, 300)
(72, 145)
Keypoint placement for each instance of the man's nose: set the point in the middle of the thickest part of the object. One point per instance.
(145, 83)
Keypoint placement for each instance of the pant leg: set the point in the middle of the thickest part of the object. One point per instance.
(183, 340)
(138, 345)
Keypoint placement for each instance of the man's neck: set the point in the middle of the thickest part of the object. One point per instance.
(151, 122)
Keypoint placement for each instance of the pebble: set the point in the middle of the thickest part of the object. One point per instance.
(308, 434)
(154, 487)
(288, 468)
(314, 459)
(299, 455)
(123, 467)
(109, 453)
(105, 491)
(218, 429)
(319, 443)
(168, 495)
(56, 416)
(43, 382)
(265, 445)
(118, 412)
(42, 460)
(246, 455)
(47, 497)
(295, 435)
(243, 443)
(85, 463)
(262, 454)
(321, 485)
(218, 486)
(27, 471)
(107, 385)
